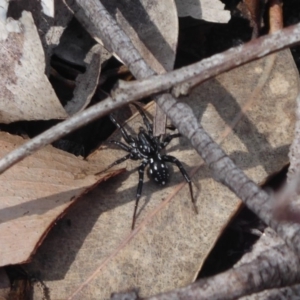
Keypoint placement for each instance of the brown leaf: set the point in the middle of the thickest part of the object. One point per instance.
(98, 254)
(34, 193)
(26, 93)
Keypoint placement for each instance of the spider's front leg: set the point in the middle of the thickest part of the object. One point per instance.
(127, 137)
(121, 145)
(139, 190)
(145, 119)
(122, 159)
(174, 160)
(117, 162)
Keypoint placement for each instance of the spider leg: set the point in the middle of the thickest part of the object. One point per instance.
(127, 137)
(145, 119)
(174, 160)
(117, 162)
(121, 145)
(168, 139)
(139, 190)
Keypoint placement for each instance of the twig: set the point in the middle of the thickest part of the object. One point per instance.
(290, 292)
(270, 261)
(207, 66)
(270, 264)
(269, 270)
(276, 18)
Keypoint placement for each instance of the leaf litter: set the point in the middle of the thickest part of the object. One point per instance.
(170, 242)
(26, 93)
(34, 194)
(91, 252)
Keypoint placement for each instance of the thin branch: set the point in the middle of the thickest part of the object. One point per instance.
(187, 77)
(60, 130)
(290, 292)
(294, 153)
(269, 270)
(226, 172)
(114, 38)
(127, 93)
(271, 264)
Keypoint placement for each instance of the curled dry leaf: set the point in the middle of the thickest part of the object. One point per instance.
(26, 93)
(208, 10)
(170, 242)
(34, 194)
(50, 28)
(86, 83)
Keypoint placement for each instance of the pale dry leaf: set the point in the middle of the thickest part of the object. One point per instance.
(34, 193)
(74, 44)
(7, 25)
(50, 29)
(151, 26)
(86, 83)
(208, 10)
(26, 93)
(170, 242)
(48, 7)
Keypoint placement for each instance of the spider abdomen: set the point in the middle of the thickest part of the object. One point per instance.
(159, 171)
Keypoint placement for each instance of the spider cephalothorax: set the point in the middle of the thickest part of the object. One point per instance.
(148, 148)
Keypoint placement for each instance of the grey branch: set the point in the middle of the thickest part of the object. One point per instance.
(142, 89)
(121, 99)
(269, 270)
(270, 264)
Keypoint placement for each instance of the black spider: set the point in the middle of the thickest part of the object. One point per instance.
(148, 148)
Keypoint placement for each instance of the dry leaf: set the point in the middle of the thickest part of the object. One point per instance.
(208, 10)
(26, 93)
(35, 192)
(50, 29)
(48, 7)
(86, 83)
(99, 254)
(28, 110)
